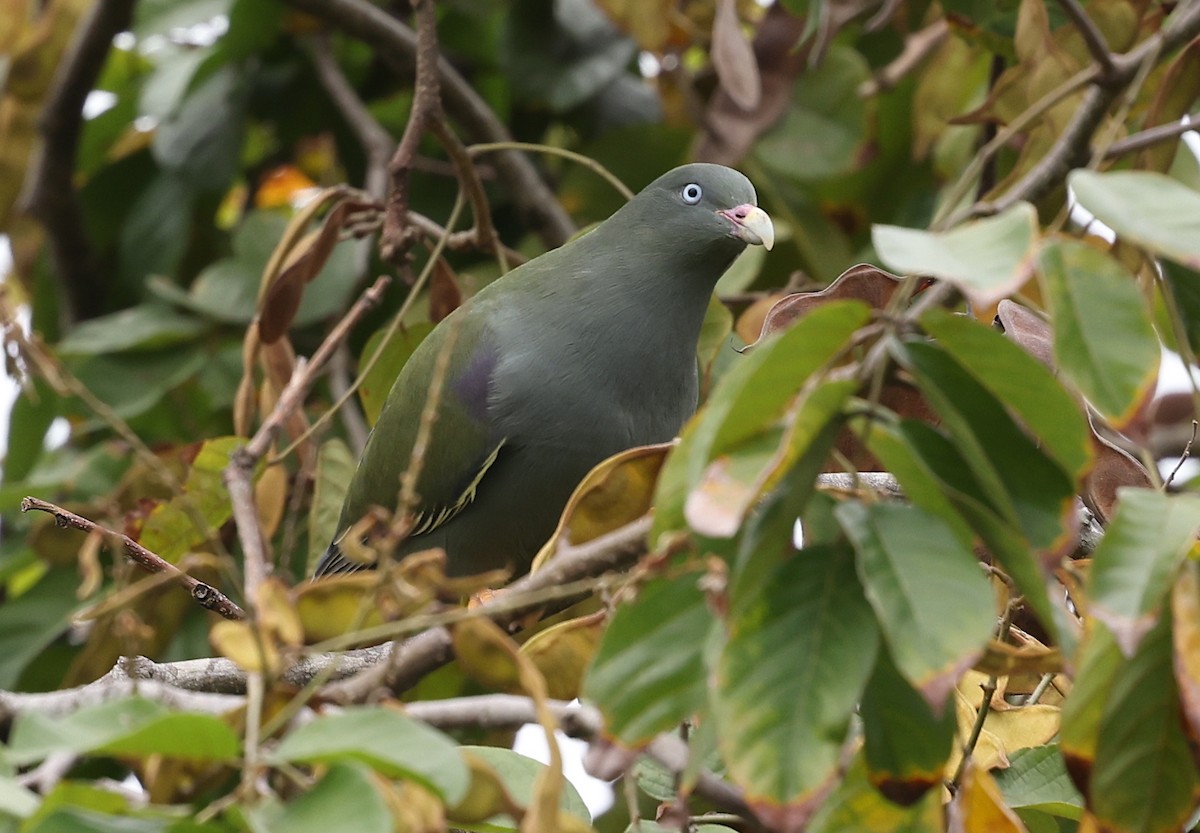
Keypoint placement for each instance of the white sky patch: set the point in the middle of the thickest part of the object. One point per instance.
(97, 102)
(596, 794)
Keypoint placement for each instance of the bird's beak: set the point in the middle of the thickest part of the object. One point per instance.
(751, 224)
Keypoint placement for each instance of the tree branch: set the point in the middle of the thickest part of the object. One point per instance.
(414, 658)
(398, 234)
(237, 475)
(49, 193)
(397, 44)
(1072, 148)
(206, 596)
(1092, 37)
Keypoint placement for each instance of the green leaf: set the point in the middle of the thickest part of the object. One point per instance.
(906, 742)
(335, 468)
(1021, 382)
(1037, 779)
(1150, 209)
(733, 482)
(1184, 285)
(937, 456)
(346, 788)
(201, 140)
(988, 259)
(385, 740)
(1103, 338)
(822, 131)
(188, 520)
(131, 727)
(518, 774)
(1025, 486)
(935, 607)
(800, 649)
(916, 476)
(377, 382)
(749, 397)
(75, 820)
(32, 413)
(1137, 559)
(16, 800)
(855, 805)
(155, 233)
(144, 327)
(132, 384)
(1144, 777)
(648, 673)
(31, 621)
(1097, 664)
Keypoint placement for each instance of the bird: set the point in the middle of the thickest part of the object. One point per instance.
(576, 355)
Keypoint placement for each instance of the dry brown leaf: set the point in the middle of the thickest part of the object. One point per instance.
(733, 57)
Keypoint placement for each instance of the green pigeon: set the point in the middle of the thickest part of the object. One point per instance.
(583, 352)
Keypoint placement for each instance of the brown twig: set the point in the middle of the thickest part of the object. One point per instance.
(431, 649)
(206, 595)
(237, 475)
(1072, 147)
(397, 44)
(49, 193)
(1152, 136)
(398, 235)
(1092, 37)
(483, 234)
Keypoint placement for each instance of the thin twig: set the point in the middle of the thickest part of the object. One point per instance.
(1183, 458)
(398, 236)
(1152, 136)
(483, 233)
(1092, 38)
(550, 150)
(432, 648)
(397, 44)
(207, 596)
(237, 475)
(985, 706)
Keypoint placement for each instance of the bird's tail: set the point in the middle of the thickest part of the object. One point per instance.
(333, 562)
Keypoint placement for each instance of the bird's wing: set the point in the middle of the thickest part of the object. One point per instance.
(462, 442)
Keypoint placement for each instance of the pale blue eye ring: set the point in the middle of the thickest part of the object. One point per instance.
(691, 193)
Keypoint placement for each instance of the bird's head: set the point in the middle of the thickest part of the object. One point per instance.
(705, 201)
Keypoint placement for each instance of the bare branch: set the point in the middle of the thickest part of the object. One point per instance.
(416, 657)
(1072, 148)
(397, 44)
(398, 235)
(207, 596)
(237, 474)
(1092, 37)
(1153, 136)
(49, 193)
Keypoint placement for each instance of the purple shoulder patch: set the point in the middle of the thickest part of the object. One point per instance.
(473, 385)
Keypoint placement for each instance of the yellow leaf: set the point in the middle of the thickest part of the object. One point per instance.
(334, 605)
(239, 642)
(563, 651)
(979, 808)
(487, 654)
(486, 797)
(617, 491)
(270, 498)
(277, 614)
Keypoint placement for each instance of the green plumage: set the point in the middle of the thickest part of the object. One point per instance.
(578, 354)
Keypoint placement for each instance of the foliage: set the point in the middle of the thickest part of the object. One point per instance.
(180, 240)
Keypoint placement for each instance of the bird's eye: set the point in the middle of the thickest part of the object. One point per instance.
(691, 193)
